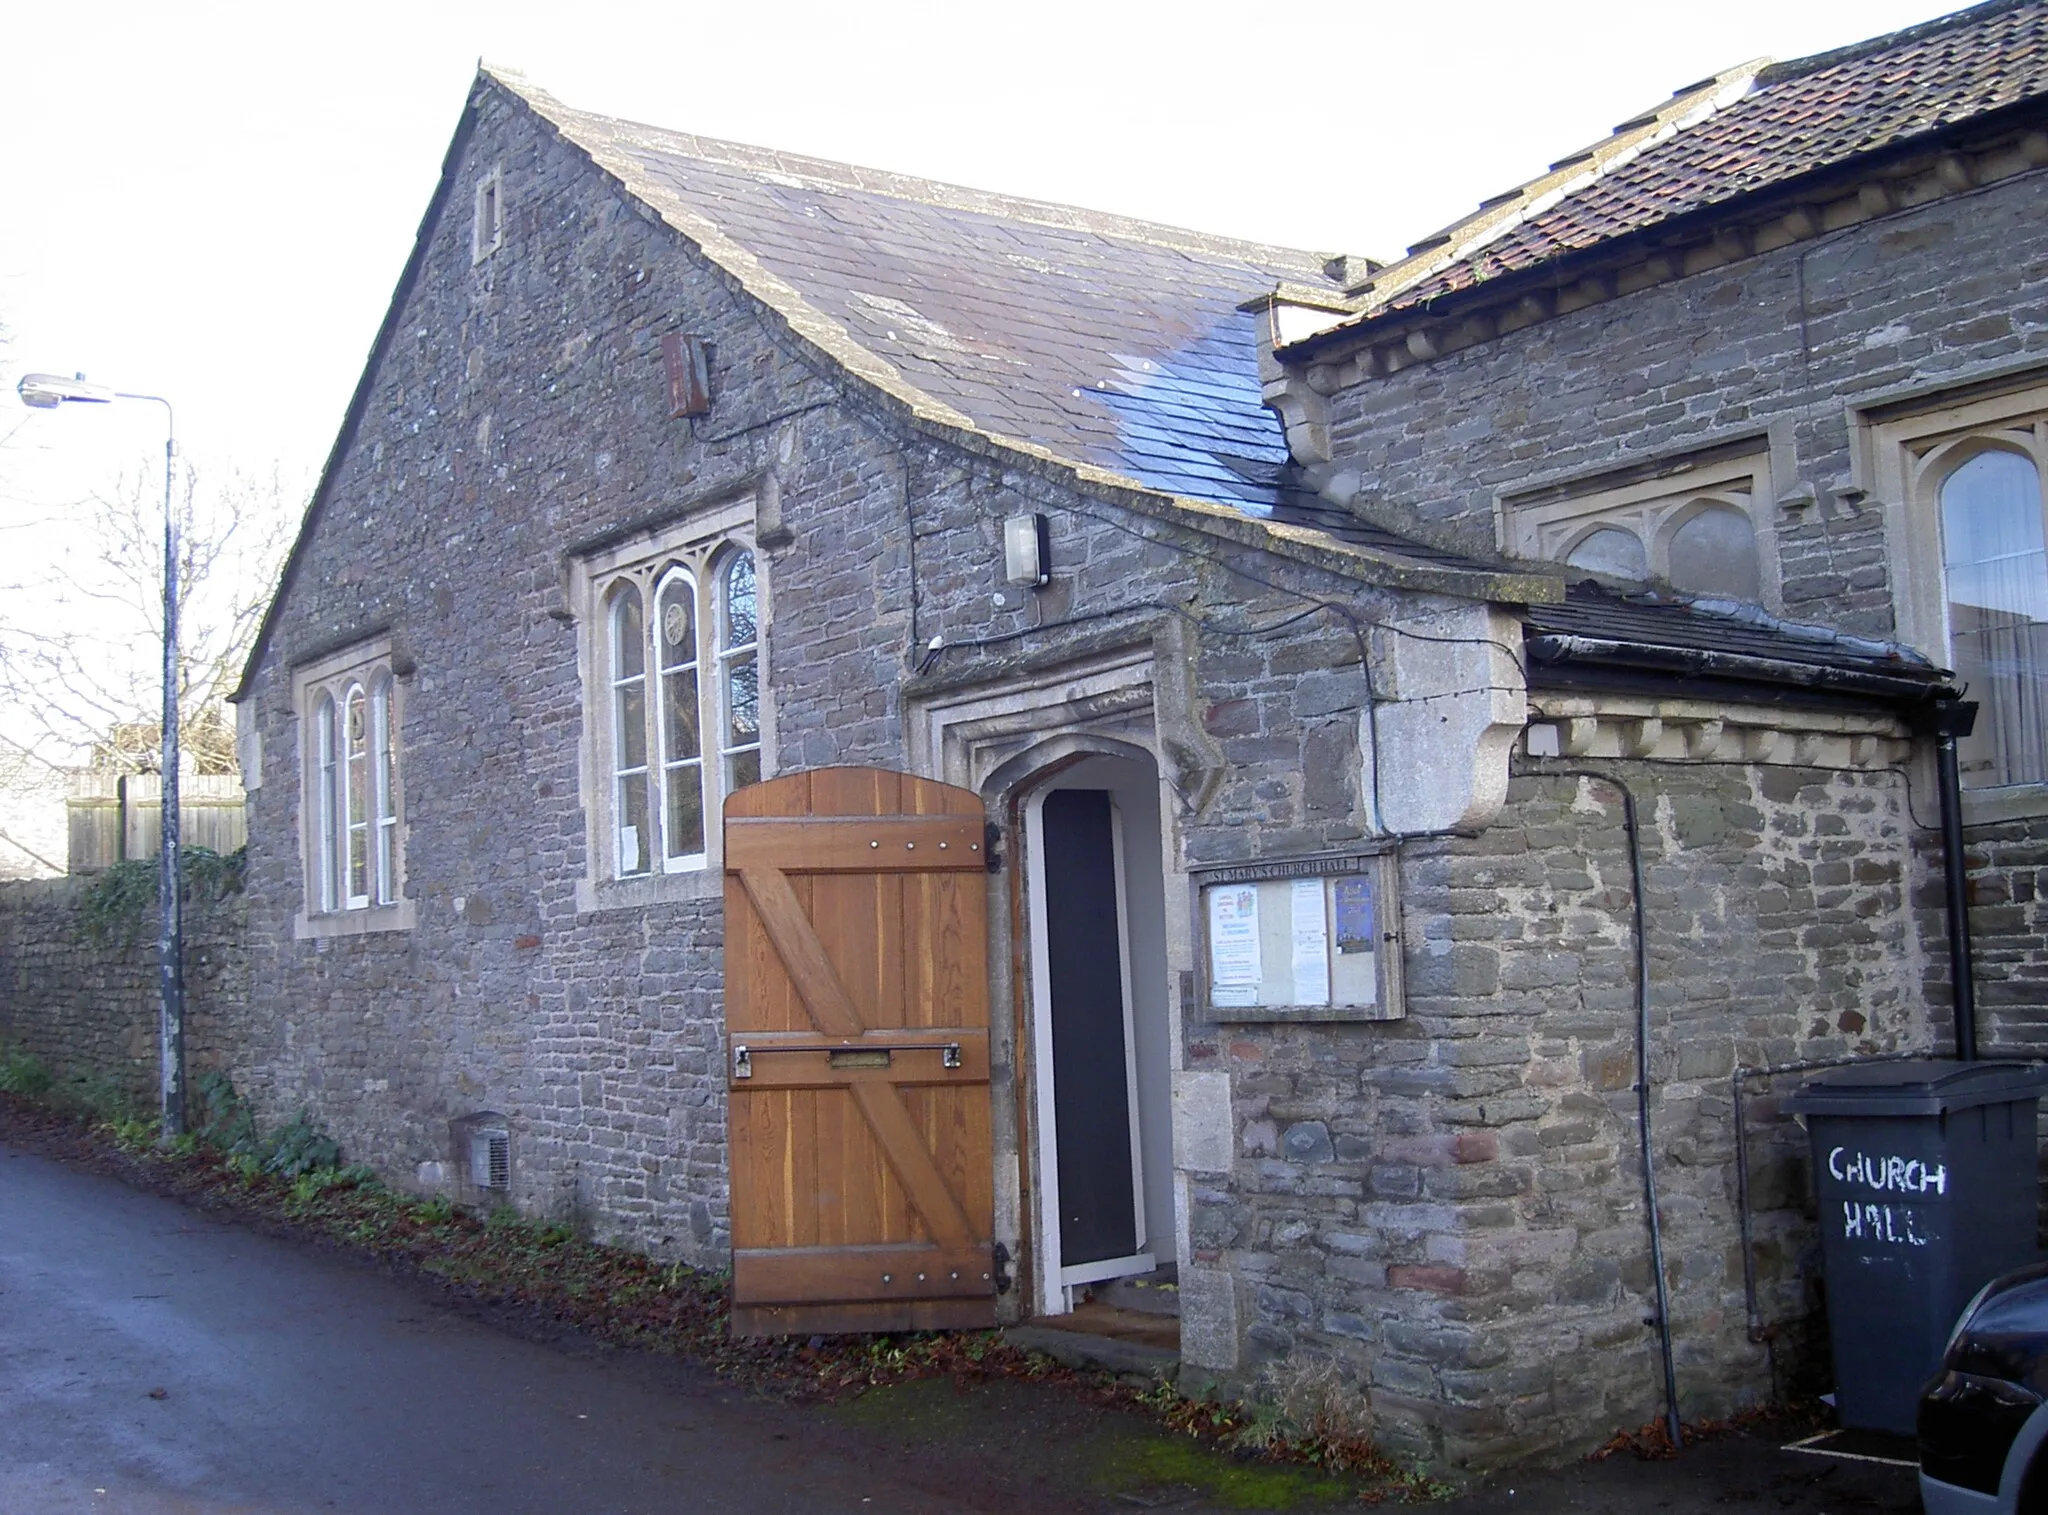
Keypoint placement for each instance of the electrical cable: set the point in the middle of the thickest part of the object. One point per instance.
(1642, 954)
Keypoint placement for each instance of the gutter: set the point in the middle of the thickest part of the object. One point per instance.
(1560, 648)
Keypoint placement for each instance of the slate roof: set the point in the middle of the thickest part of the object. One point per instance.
(1104, 341)
(1783, 120)
(1652, 622)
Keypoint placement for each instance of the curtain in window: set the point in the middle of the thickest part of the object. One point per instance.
(629, 731)
(1996, 565)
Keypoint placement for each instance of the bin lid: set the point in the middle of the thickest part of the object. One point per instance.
(1917, 1086)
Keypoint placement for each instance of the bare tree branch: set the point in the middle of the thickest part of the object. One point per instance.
(87, 669)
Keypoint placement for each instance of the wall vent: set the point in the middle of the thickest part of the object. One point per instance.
(490, 1158)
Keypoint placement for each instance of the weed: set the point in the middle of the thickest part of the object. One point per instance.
(437, 1211)
(302, 1148)
(23, 1075)
(122, 896)
(134, 1133)
(224, 1121)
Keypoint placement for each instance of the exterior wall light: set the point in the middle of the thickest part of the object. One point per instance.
(1027, 555)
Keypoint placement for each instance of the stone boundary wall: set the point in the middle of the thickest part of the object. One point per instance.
(89, 1011)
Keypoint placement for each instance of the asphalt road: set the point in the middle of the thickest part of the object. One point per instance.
(156, 1360)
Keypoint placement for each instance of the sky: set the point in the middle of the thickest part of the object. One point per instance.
(212, 201)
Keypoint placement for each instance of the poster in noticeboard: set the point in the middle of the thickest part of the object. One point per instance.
(1312, 946)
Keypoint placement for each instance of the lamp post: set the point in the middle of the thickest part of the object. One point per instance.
(42, 391)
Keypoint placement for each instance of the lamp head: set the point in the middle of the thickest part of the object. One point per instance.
(46, 391)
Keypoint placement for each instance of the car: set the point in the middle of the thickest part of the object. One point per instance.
(1983, 1418)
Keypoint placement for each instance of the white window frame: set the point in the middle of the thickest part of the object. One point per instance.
(696, 550)
(1905, 452)
(332, 904)
(1548, 524)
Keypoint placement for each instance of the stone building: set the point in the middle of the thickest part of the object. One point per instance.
(1342, 759)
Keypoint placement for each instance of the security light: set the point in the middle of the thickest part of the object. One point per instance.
(1026, 559)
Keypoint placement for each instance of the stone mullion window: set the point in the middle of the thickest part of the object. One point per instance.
(1993, 514)
(351, 810)
(673, 705)
(1700, 528)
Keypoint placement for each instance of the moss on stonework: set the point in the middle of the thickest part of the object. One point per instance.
(1078, 1448)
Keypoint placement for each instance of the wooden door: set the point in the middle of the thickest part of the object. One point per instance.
(856, 1012)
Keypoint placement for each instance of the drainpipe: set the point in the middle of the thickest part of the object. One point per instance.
(1949, 720)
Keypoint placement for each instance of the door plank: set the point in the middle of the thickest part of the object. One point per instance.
(802, 954)
(824, 1275)
(886, 844)
(911, 1160)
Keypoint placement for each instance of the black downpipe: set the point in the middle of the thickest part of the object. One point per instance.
(1953, 719)
(1635, 871)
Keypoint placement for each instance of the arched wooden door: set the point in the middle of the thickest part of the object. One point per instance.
(856, 1012)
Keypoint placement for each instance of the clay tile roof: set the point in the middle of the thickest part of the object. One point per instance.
(1791, 119)
(1103, 341)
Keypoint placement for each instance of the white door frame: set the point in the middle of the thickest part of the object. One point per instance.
(1056, 1282)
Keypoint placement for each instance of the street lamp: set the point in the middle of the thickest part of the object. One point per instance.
(42, 391)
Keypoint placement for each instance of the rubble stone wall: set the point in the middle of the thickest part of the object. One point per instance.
(1453, 1203)
(88, 1009)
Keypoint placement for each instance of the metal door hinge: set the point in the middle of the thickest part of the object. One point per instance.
(991, 846)
(1001, 1256)
(742, 1063)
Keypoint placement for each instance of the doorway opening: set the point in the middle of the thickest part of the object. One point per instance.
(1102, 1157)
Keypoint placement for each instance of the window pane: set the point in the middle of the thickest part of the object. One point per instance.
(1610, 550)
(628, 638)
(325, 842)
(679, 702)
(631, 734)
(358, 862)
(384, 791)
(678, 622)
(633, 835)
(1715, 553)
(739, 600)
(1992, 544)
(686, 810)
(742, 701)
(744, 768)
(355, 718)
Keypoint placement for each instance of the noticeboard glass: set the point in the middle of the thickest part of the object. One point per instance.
(1307, 945)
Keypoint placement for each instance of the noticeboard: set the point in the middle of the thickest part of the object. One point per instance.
(1317, 939)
